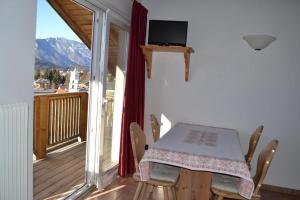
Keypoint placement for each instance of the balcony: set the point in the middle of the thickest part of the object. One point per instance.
(59, 119)
(60, 127)
(60, 124)
(61, 173)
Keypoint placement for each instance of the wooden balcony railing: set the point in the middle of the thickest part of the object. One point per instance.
(59, 118)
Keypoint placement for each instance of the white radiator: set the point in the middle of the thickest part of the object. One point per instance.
(13, 151)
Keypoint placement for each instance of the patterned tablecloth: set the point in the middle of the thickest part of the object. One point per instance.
(202, 148)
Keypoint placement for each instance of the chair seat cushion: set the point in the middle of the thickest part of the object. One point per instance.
(225, 182)
(163, 172)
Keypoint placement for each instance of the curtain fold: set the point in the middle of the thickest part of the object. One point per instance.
(134, 97)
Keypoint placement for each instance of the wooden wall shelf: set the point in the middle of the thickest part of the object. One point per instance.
(148, 50)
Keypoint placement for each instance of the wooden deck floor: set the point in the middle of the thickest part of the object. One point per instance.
(62, 172)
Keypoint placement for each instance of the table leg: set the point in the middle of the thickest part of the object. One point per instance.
(194, 185)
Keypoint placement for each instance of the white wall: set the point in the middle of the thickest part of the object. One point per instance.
(17, 33)
(17, 39)
(122, 7)
(230, 84)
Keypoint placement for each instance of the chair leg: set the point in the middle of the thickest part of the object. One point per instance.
(166, 196)
(152, 189)
(174, 192)
(211, 196)
(144, 188)
(218, 197)
(138, 191)
(256, 198)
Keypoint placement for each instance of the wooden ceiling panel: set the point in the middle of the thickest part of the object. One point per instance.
(87, 18)
(80, 21)
(87, 28)
(67, 1)
(72, 6)
(79, 18)
(79, 12)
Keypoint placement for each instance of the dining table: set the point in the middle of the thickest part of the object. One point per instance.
(200, 151)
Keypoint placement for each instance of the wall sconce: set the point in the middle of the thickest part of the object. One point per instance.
(259, 42)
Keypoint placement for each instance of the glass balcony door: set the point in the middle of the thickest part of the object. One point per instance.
(114, 85)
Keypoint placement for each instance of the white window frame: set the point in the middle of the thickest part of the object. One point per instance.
(95, 101)
(100, 41)
(111, 17)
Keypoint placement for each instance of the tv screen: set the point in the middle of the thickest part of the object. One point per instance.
(167, 32)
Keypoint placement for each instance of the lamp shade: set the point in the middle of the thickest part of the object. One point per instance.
(259, 42)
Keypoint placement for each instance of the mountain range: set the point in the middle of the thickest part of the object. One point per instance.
(61, 53)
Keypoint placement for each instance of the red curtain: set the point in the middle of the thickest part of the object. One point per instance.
(133, 108)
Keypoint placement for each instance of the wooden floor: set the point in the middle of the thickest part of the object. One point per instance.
(62, 172)
(124, 189)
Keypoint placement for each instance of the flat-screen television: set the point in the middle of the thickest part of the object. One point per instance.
(163, 32)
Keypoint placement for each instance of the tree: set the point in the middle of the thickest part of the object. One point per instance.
(63, 80)
(51, 76)
(37, 74)
(56, 77)
(48, 75)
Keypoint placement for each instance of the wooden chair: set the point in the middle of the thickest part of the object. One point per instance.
(224, 186)
(155, 125)
(252, 144)
(165, 176)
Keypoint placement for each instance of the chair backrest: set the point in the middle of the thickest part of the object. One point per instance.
(138, 142)
(263, 163)
(155, 128)
(252, 144)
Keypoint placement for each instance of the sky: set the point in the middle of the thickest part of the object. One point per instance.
(50, 24)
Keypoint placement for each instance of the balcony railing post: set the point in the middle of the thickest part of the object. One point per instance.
(83, 115)
(41, 112)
